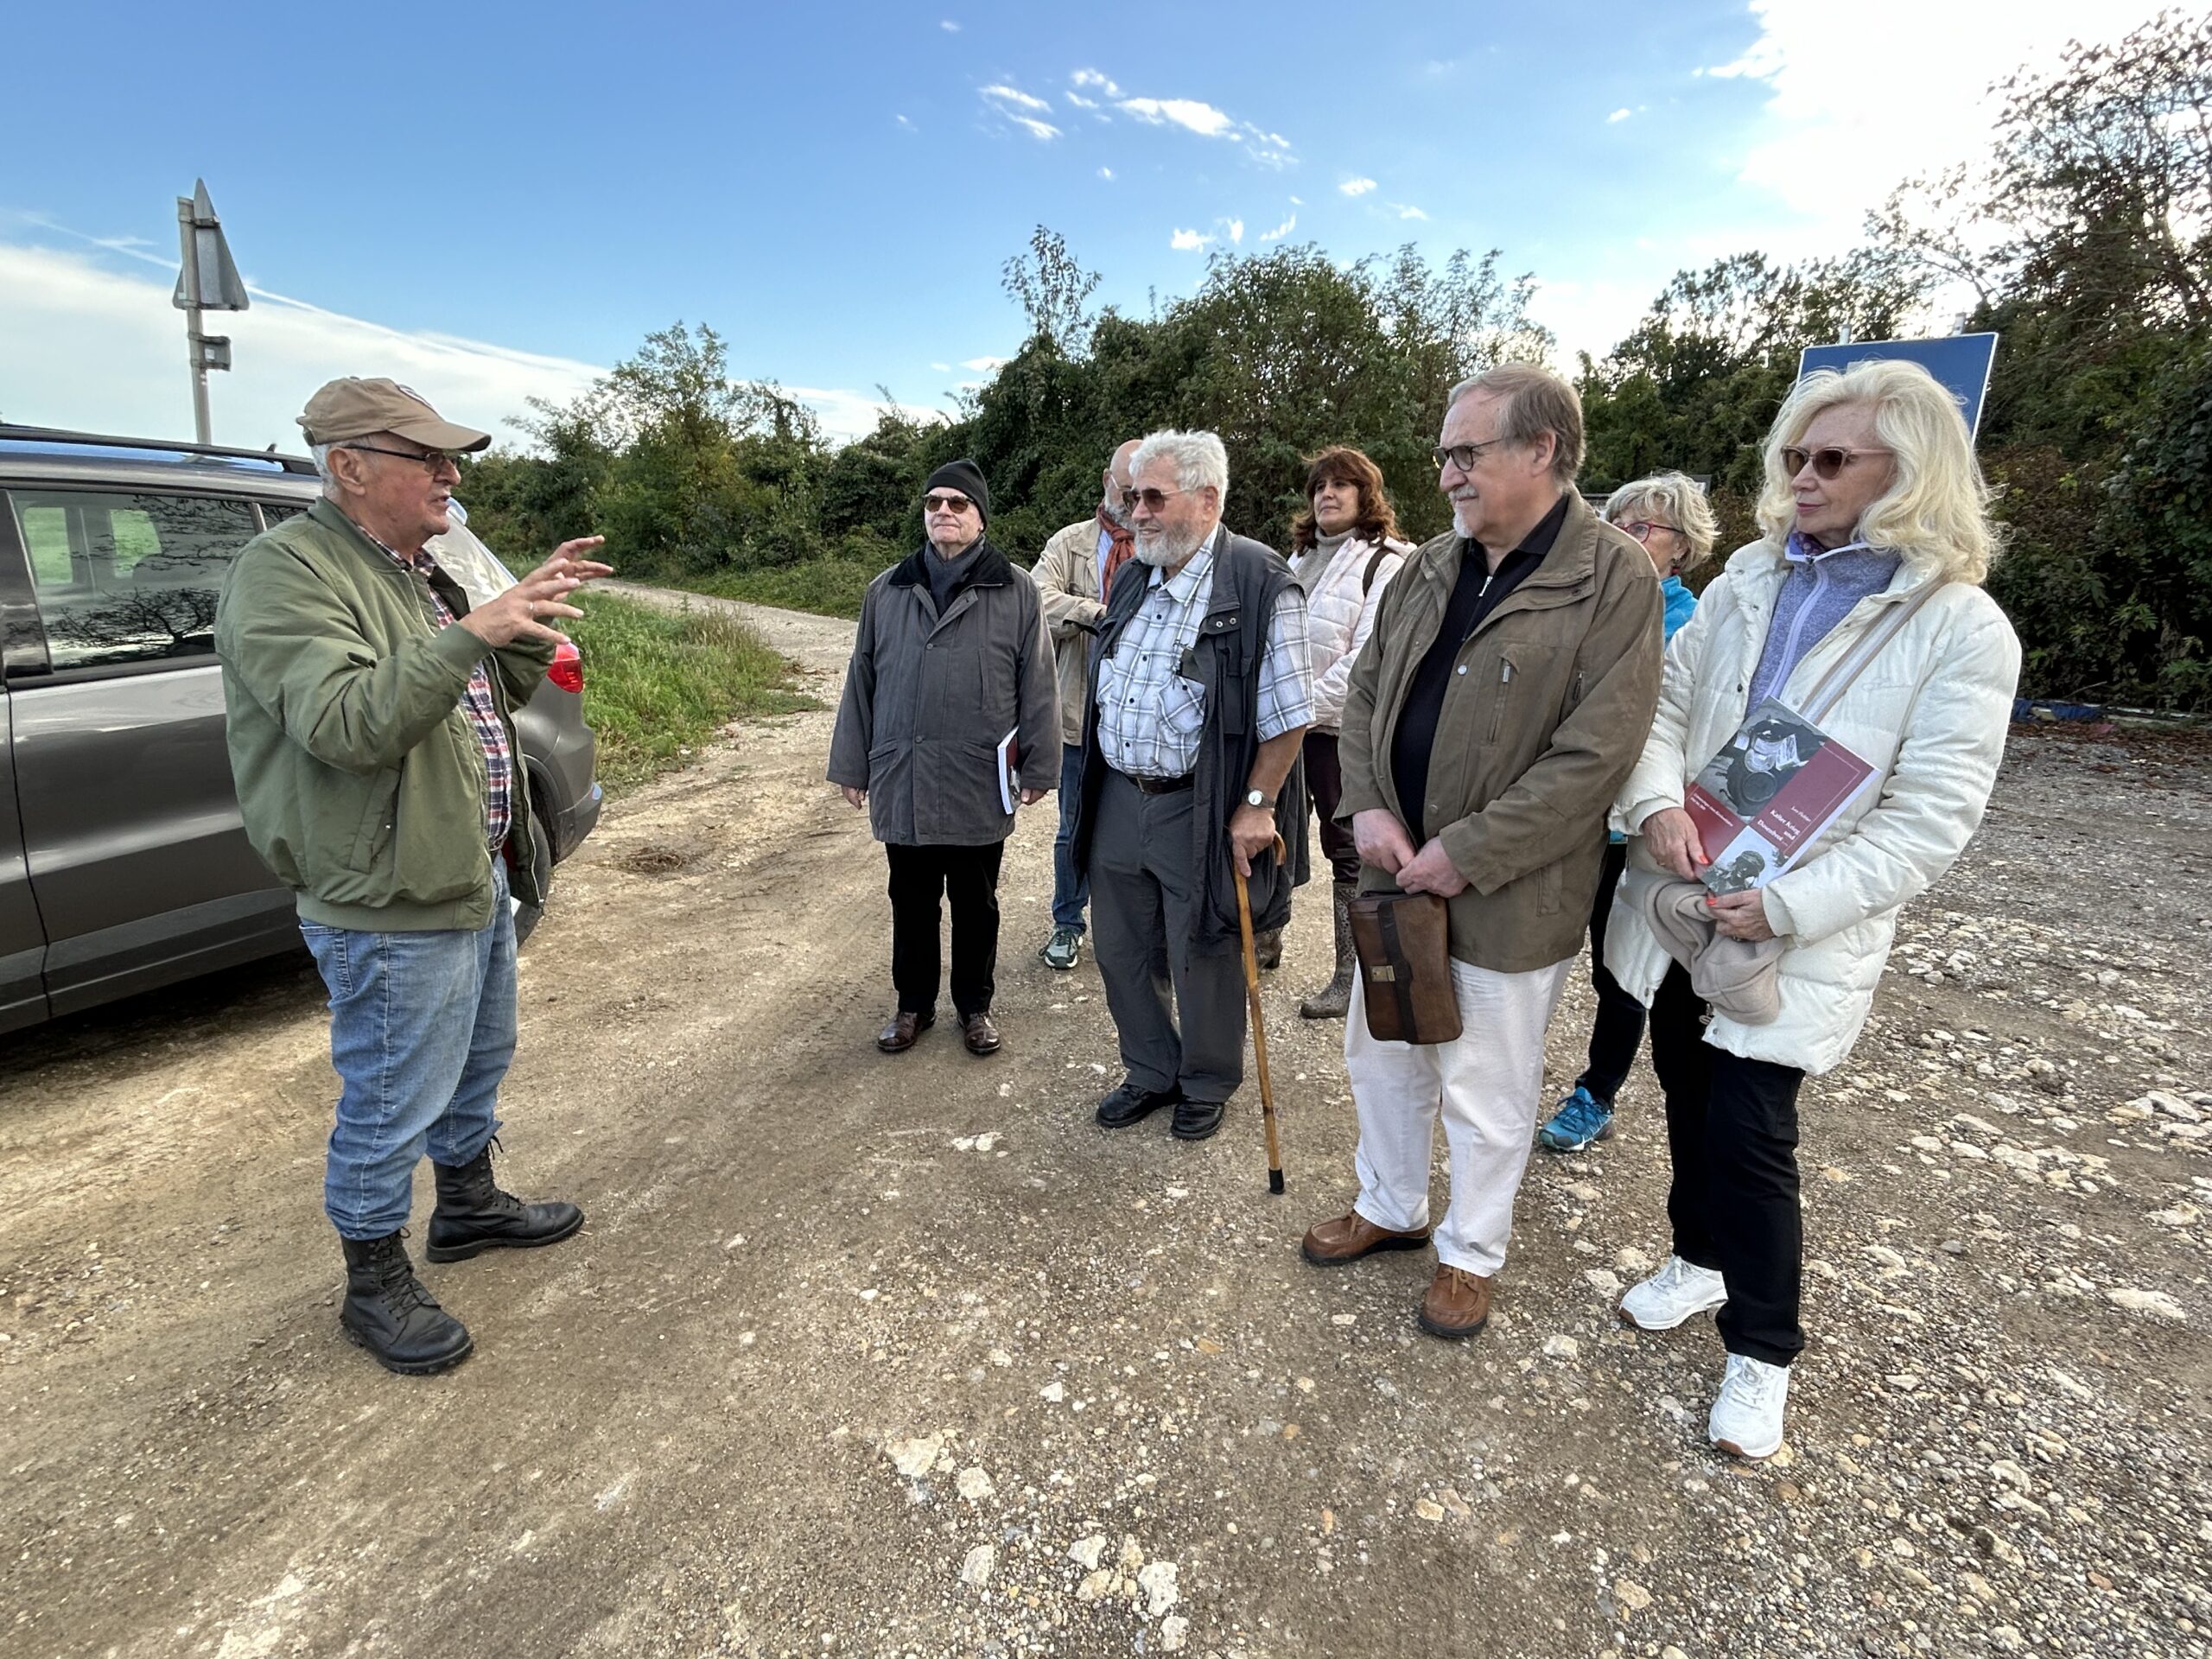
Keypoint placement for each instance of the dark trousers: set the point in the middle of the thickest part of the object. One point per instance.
(1178, 1013)
(1071, 887)
(1325, 779)
(1618, 1031)
(969, 877)
(1732, 1131)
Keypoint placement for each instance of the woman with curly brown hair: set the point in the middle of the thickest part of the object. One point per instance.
(1345, 547)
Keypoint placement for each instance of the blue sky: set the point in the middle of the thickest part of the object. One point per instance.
(496, 200)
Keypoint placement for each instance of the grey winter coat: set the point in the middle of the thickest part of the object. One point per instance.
(928, 697)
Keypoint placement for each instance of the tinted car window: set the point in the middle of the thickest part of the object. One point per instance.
(129, 577)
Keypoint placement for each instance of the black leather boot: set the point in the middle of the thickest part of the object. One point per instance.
(473, 1215)
(388, 1312)
(1333, 1000)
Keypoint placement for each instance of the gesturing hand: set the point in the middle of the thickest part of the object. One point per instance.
(1672, 835)
(515, 613)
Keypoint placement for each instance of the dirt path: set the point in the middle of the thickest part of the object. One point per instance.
(864, 1355)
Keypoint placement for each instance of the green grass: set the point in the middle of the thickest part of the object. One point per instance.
(825, 587)
(657, 685)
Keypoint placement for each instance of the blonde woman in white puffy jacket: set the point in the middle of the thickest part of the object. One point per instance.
(1344, 549)
(1871, 494)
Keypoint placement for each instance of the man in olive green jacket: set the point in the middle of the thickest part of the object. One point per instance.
(1504, 698)
(373, 743)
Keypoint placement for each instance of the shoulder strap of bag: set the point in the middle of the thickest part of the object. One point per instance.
(1367, 580)
(1839, 676)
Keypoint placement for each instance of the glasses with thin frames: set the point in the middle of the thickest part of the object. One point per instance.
(1152, 500)
(1462, 455)
(1642, 528)
(432, 462)
(1826, 463)
(946, 504)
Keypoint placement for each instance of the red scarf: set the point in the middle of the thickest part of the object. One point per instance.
(1125, 543)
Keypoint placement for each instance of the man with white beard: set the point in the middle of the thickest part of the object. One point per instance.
(1201, 691)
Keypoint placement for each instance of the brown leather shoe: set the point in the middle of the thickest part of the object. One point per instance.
(1346, 1238)
(1458, 1303)
(899, 1036)
(979, 1033)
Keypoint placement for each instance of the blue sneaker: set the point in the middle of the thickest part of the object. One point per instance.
(1581, 1118)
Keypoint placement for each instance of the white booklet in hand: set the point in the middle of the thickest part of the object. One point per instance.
(1009, 753)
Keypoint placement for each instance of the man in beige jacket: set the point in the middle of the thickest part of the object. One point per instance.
(1073, 575)
(1503, 697)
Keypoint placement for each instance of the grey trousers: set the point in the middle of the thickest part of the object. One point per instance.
(1143, 897)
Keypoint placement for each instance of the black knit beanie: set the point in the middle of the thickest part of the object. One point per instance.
(966, 477)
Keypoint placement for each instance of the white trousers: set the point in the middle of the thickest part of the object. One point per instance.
(1488, 1084)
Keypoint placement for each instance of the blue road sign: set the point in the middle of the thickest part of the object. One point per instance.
(1960, 364)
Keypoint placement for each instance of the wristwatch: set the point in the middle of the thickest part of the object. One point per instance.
(1253, 797)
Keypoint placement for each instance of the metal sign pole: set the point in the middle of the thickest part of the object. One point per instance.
(186, 229)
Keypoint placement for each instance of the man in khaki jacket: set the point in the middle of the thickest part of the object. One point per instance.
(1505, 693)
(1073, 575)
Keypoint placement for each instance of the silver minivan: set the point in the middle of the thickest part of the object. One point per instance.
(124, 865)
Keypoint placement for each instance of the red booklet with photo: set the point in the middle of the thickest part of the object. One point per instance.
(1767, 796)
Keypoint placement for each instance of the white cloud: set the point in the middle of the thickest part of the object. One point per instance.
(1831, 151)
(950, 26)
(904, 122)
(983, 364)
(1356, 187)
(1406, 211)
(1188, 241)
(1280, 230)
(1093, 80)
(1191, 115)
(101, 350)
(1010, 101)
(1298, 201)
(942, 368)
(1080, 101)
(1235, 229)
(1618, 115)
(1201, 119)
(1106, 172)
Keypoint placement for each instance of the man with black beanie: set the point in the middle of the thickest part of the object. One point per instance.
(951, 715)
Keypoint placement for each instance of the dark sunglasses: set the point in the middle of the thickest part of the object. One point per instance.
(1153, 500)
(946, 504)
(1826, 463)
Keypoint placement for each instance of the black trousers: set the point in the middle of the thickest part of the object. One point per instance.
(1731, 1130)
(1324, 779)
(969, 877)
(1617, 1032)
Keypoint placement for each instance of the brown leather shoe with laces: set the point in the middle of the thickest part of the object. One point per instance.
(981, 1036)
(904, 1029)
(1346, 1238)
(1458, 1303)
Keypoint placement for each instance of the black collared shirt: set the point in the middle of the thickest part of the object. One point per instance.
(1474, 596)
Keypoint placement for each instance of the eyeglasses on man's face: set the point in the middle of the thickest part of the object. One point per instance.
(432, 462)
(1151, 501)
(952, 504)
(1826, 463)
(1462, 455)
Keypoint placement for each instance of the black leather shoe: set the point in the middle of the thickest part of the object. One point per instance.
(1130, 1104)
(473, 1215)
(1197, 1119)
(904, 1031)
(979, 1033)
(388, 1312)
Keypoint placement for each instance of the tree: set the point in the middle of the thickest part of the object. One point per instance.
(1051, 287)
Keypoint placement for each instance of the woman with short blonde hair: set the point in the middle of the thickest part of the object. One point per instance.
(1877, 529)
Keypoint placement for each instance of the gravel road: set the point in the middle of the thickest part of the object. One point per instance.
(904, 1357)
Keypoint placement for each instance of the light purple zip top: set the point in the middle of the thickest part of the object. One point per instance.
(1817, 593)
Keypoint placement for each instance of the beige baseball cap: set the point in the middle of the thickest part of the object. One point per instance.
(353, 408)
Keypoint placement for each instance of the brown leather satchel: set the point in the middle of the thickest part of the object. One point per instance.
(1403, 941)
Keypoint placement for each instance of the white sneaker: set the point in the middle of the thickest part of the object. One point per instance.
(1678, 1291)
(1746, 1418)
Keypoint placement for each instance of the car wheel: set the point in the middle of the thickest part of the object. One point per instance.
(541, 862)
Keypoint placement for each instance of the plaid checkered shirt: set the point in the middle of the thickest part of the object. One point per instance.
(1151, 719)
(478, 704)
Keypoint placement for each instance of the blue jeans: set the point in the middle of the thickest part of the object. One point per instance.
(421, 1029)
(1071, 887)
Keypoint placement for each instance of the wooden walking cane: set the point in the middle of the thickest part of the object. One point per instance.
(1259, 1027)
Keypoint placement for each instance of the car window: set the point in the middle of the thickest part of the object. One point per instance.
(274, 513)
(128, 577)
